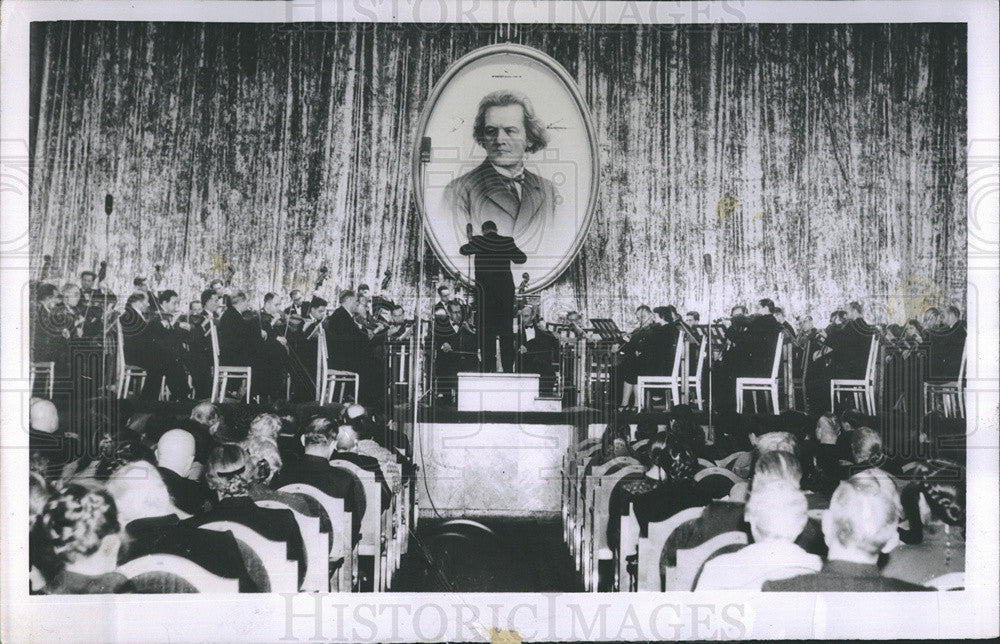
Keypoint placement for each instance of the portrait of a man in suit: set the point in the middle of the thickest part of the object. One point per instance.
(521, 203)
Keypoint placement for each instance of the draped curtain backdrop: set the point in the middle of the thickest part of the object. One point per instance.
(814, 163)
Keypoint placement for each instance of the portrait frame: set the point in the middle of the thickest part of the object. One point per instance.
(433, 167)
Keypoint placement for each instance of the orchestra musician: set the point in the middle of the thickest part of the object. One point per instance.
(49, 332)
(299, 307)
(456, 351)
(444, 298)
(303, 346)
(147, 344)
(848, 339)
(82, 319)
(761, 339)
(632, 354)
(351, 347)
(537, 349)
(273, 349)
(734, 356)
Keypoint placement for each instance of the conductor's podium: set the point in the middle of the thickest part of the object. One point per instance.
(503, 392)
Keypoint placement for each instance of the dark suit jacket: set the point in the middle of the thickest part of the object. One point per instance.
(543, 351)
(349, 345)
(657, 350)
(483, 195)
(272, 523)
(842, 576)
(850, 348)
(188, 495)
(216, 552)
(946, 346)
(238, 339)
(762, 334)
(493, 257)
(139, 335)
(50, 453)
(316, 471)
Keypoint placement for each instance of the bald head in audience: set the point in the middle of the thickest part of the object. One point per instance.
(347, 439)
(139, 493)
(175, 451)
(43, 417)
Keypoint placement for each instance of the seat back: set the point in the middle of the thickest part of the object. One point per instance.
(599, 510)
(316, 543)
(965, 361)
(340, 520)
(651, 546)
(717, 471)
(729, 460)
(776, 362)
(214, 335)
(690, 560)
(702, 353)
(679, 348)
(162, 573)
(120, 352)
(872, 361)
(282, 574)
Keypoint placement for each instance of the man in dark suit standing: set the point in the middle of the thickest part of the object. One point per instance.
(495, 292)
(520, 203)
(947, 343)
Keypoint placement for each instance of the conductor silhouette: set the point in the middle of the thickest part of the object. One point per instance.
(494, 253)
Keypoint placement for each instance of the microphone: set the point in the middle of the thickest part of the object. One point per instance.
(108, 203)
(425, 149)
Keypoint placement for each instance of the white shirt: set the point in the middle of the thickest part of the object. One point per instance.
(749, 567)
(504, 172)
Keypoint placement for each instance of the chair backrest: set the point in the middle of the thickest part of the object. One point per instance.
(162, 570)
(729, 460)
(120, 352)
(282, 574)
(872, 359)
(949, 581)
(659, 532)
(702, 353)
(806, 355)
(214, 335)
(316, 543)
(651, 547)
(705, 463)
(586, 443)
(679, 348)
(640, 444)
(717, 471)
(599, 470)
(965, 361)
(690, 560)
(340, 520)
(776, 363)
(371, 521)
(322, 356)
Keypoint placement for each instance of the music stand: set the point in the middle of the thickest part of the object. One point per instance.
(606, 329)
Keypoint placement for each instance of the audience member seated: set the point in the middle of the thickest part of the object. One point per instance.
(860, 525)
(347, 451)
(43, 561)
(314, 469)
(228, 473)
(776, 513)
(723, 515)
(934, 508)
(153, 526)
(175, 453)
(49, 447)
(665, 489)
(79, 528)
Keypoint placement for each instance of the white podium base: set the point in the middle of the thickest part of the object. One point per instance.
(502, 392)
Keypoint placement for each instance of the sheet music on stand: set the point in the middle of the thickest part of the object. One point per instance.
(718, 334)
(606, 329)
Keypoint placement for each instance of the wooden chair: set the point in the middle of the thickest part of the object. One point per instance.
(863, 389)
(729, 460)
(628, 545)
(599, 513)
(717, 471)
(949, 581)
(651, 547)
(222, 374)
(375, 524)
(671, 383)
(341, 546)
(282, 574)
(704, 462)
(128, 375)
(694, 382)
(948, 397)
(766, 385)
(160, 573)
(799, 378)
(45, 370)
(569, 479)
(332, 381)
(317, 546)
(690, 560)
(579, 465)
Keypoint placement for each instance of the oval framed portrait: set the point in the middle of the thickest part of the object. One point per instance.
(506, 137)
